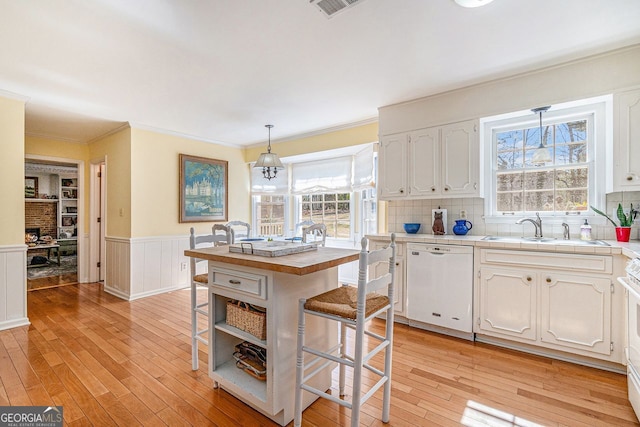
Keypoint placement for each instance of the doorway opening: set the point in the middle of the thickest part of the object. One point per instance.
(53, 221)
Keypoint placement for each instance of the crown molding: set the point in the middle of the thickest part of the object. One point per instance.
(14, 96)
(141, 126)
(322, 131)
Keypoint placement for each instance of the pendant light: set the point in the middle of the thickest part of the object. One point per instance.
(541, 155)
(269, 162)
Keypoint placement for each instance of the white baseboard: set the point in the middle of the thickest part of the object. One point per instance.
(8, 324)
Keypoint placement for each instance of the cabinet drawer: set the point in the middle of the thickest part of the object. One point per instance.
(602, 264)
(252, 284)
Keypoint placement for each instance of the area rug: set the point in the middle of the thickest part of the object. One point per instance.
(68, 265)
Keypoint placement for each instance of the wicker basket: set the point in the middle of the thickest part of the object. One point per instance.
(249, 318)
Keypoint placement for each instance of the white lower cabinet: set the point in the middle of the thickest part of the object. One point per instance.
(575, 312)
(508, 303)
(537, 299)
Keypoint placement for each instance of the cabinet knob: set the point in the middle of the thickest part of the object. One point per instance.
(397, 264)
(446, 188)
(234, 282)
(548, 279)
(433, 188)
(629, 177)
(401, 190)
(528, 278)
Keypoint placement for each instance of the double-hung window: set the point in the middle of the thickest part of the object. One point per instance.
(556, 170)
(331, 209)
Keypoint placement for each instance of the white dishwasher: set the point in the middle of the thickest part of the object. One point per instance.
(440, 288)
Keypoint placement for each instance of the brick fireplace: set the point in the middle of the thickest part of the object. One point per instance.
(42, 215)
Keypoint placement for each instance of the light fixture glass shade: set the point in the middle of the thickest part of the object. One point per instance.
(472, 3)
(268, 160)
(541, 155)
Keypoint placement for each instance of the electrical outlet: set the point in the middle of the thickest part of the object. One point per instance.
(183, 266)
(463, 214)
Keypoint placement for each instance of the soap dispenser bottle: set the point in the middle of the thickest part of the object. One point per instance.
(585, 231)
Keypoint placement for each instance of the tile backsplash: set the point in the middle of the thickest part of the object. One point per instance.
(401, 211)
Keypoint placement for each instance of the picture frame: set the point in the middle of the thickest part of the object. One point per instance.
(68, 221)
(203, 189)
(31, 187)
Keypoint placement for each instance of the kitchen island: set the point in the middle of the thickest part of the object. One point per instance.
(275, 284)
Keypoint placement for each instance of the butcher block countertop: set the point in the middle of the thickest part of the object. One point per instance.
(299, 264)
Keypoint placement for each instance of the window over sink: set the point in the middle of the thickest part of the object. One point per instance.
(573, 134)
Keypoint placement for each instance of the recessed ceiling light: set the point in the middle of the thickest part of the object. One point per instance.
(472, 3)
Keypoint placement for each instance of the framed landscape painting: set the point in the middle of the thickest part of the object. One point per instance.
(203, 189)
(31, 187)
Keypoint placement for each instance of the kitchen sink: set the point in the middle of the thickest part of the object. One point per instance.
(545, 240)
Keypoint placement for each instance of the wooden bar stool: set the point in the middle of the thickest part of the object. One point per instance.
(241, 230)
(220, 235)
(351, 307)
(318, 231)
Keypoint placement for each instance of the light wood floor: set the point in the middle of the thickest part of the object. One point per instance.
(112, 362)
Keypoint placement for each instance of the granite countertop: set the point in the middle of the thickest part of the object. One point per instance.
(630, 249)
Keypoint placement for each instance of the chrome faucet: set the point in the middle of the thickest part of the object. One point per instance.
(537, 223)
(565, 231)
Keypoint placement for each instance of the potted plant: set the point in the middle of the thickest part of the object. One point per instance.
(623, 230)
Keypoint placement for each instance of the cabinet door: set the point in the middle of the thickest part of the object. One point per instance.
(392, 170)
(460, 159)
(627, 170)
(575, 312)
(508, 303)
(424, 162)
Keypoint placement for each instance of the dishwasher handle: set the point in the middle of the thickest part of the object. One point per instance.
(429, 252)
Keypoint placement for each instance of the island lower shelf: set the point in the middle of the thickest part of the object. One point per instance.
(273, 397)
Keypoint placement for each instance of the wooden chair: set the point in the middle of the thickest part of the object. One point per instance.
(299, 226)
(318, 231)
(220, 235)
(241, 230)
(351, 307)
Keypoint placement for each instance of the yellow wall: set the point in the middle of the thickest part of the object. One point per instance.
(63, 150)
(116, 150)
(155, 176)
(327, 141)
(12, 171)
(143, 174)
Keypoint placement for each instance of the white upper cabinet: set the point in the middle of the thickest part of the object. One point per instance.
(392, 166)
(460, 159)
(441, 161)
(626, 173)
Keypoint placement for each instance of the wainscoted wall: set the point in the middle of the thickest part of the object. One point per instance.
(403, 211)
(13, 286)
(140, 267)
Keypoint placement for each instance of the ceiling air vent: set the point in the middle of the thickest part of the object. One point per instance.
(332, 7)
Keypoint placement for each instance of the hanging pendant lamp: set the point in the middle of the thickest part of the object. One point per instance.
(269, 162)
(541, 155)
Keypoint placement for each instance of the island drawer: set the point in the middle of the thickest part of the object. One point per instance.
(248, 283)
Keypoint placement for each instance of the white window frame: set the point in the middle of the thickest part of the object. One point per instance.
(599, 147)
(352, 204)
(256, 204)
